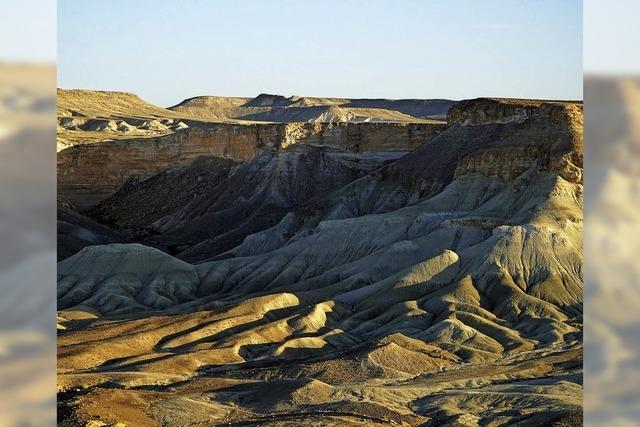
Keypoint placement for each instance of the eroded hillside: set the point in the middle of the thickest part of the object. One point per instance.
(87, 116)
(329, 273)
(277, 108)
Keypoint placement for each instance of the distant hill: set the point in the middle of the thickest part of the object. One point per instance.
(278, 108)
(95, 103)
(92, 104)
(209, 106)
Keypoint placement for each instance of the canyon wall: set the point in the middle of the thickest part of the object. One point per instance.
(554, 137)
(503, 110)
(363, 137)
(89, 173)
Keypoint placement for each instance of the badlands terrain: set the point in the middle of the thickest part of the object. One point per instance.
(287, 261)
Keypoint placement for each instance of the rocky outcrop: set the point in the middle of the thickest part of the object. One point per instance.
(554, 138)
(90, 172)
(125, 121)
(549, 140)
(479, 264)
(457, 263)
(363, 137)
(139, 204)
(500, 110)
(203, 209)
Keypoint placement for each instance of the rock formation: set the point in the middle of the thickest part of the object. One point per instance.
(277, 108)
(87, 173)
(349, 273)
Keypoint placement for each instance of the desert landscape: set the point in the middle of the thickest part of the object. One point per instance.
(288, 261)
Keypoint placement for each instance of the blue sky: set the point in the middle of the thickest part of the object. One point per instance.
(169, 50)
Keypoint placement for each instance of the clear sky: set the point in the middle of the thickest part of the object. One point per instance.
(169, 50)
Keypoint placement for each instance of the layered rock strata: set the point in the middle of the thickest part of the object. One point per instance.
(90, 172)
(443, 287)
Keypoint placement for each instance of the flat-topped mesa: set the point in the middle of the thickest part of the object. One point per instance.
(503, 110)
(544, 134)
(278, 108)
(88, 173)
(95, 103)
(116, 110)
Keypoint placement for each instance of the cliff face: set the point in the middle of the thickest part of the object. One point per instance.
(553, 137)
(549, 140)
(89, 173)
(500, 110)
(363, 137)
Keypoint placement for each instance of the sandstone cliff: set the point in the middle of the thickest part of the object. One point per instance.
(500, 110)
(555, 133)
(90, 172)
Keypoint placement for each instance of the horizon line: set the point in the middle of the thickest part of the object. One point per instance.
(579, 100)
